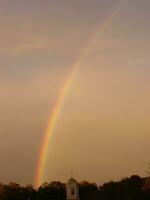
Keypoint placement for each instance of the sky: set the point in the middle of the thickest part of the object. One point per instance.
(103, 130)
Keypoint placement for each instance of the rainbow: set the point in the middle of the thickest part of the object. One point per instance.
(62, 95)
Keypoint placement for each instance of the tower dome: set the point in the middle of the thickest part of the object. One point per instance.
(72, 180)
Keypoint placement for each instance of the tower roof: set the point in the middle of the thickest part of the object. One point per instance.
(72, 180)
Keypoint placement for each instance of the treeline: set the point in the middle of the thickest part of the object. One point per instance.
(133, 188)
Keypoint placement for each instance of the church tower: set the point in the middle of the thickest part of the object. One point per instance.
(72, 190)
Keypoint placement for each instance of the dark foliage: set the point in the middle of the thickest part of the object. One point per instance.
(133, 188)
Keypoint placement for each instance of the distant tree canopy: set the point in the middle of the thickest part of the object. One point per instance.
(133, 188)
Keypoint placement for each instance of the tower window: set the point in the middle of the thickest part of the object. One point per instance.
(72, 191)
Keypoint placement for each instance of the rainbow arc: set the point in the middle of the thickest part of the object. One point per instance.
(43, 154)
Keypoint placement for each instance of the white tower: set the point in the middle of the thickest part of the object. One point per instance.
(72, 190)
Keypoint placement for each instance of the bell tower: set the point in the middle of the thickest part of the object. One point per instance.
(72, 189)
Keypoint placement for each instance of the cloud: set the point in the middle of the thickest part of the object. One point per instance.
(138, 61)
(24, 47)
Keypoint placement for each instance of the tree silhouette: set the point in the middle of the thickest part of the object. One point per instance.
(132, 188)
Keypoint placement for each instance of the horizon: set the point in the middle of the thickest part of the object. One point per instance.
(78, 181)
